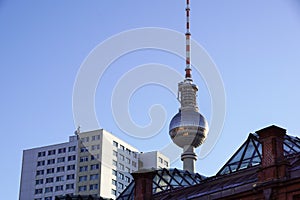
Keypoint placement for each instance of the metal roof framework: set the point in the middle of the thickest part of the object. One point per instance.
(247, 156)
(165, 179)
(250, 153)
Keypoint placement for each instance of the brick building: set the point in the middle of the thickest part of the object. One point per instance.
(266, 166)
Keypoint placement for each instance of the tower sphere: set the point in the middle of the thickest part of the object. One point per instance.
(188, 128)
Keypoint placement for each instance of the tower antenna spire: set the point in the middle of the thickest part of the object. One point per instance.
(188, 69)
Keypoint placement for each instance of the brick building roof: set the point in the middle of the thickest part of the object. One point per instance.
(268, 157)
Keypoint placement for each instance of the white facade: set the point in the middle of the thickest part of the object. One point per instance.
(116, 160)
(153, 159)
(96, 163)
(49, 171)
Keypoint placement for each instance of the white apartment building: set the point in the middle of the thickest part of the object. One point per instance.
(153, 159)
(49, 171)
(93, 163)
(105, 164)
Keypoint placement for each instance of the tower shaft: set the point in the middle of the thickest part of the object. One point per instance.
(189, 157)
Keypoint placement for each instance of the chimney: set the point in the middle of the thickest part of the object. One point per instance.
(273, 165)
(143, 184)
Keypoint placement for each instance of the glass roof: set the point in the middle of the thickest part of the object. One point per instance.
(165, 179)
(249, 154)
(174, 178)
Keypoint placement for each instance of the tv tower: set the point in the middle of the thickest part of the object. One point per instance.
(188, 128)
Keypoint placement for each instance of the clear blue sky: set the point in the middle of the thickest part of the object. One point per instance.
(255, 44)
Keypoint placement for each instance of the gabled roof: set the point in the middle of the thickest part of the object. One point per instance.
(239, 175)
(240, 172)
(166, 179)
(249, 154)
(212, 187)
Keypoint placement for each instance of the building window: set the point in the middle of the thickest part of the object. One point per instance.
(50, 171)
(94, 177)
(84, 159)
(115, 144)
(127, 179)
(60, 169)
(121, 166)
(82, 188)
(61, 159)
(94, 187)
(113, 192)
(122, 147)
(70, 176)
(127, 170)
(42, 154)
(83, 168)
(134, 154)
(49, 180)
(128, 151)
(38, 191)
(114, 182)
(114, 163)
(128, 160)
(72, 148)
(121, 176)
(62, 150)
(71, 167)
(166, 163)
(39, 172)
(84, 149)
(96, 137)
(114, 172)
(48, 189)
(93, 157)
(95, 147)
(133, 164)
(50, 161)
(85, 139)
(160, 160)
(51, 152)
(70, 186)
(120, 186)
(115, 153)
(59, 188)
(82, 178)
(48, 198)
(122, 157)
(39, 181)
(59, 178)
(70, 158)
(41, 163)
(95, 166)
